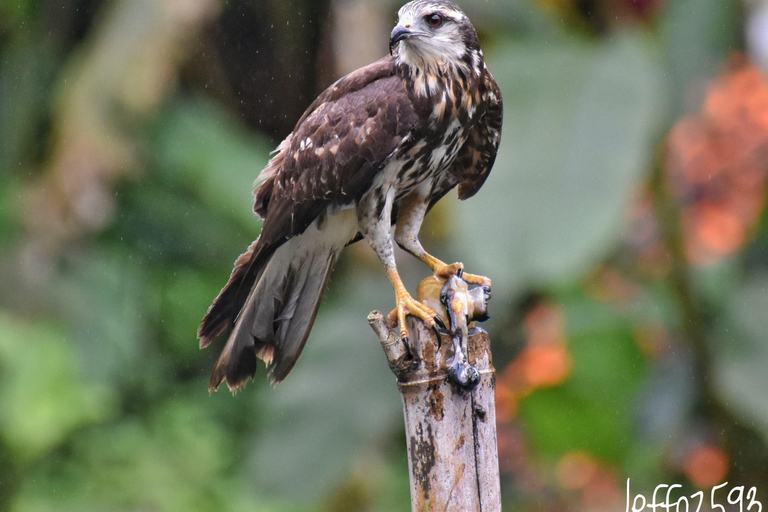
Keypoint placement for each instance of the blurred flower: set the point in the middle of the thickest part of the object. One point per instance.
(706, 466)
(575, 470)
(653, 339)
(601, 492)
(596, 485)
(506, 400)
(545, 365)
(544, 362)
(716, 164)
(643, 7)
(607, 284)
(545, 325)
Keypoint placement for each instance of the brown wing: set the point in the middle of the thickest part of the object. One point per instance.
(330, 158)
(335, 151)
(474, 162)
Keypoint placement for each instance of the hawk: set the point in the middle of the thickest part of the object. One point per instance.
(367, 160)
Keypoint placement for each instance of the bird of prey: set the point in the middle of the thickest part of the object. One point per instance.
(367, 160)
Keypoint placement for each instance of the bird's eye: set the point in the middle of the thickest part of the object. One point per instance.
(434, 20)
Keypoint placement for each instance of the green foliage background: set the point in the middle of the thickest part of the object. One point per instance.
(103, 391)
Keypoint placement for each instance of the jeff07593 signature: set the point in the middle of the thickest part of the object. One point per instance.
(663, 498)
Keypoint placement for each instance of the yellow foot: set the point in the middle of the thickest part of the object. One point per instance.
(445, 271)
(407, 305)
(475, 279)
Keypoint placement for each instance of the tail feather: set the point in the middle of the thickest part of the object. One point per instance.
(299, 311)
(230, 300)
(278, 313)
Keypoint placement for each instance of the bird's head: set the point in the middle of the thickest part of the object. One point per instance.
(433, 35)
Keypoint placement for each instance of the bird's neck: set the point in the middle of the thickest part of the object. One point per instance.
(428, 78)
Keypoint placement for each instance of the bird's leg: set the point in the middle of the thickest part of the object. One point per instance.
(407, 305)
(409, 219)
(375, 224)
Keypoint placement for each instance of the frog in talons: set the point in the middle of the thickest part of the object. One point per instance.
(459, 306)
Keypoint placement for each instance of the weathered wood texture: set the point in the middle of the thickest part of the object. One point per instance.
(452, 453)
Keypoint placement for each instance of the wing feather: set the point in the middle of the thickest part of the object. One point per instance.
(330, 158)
(335, 151)
(474, 162)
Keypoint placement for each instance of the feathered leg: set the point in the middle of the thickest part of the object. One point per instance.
(374, 215)
(410, 216)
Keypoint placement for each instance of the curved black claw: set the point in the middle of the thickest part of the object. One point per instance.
(441, 324)
(438, 336)
(460, 272)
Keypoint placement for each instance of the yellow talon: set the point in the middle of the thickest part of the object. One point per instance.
(478, 280)
(407, 305)
(445, 271)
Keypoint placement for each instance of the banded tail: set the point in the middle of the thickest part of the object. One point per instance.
(271, 301)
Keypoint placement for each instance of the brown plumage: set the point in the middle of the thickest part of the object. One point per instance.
(376, 149)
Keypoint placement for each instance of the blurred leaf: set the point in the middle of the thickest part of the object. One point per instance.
(117, 416)
(668, 398)
(166, 226)
(699, 34)
(179, 458)
(9, 190)
(27, 65)
(756, 253)
(184, 296)
(200, 147)
(592, 410)
(742, 353)
(580, 127)
(17, 10)
(104, 295)
(499, 17)
(43, 397)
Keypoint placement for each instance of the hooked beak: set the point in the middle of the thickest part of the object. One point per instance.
(399, 33)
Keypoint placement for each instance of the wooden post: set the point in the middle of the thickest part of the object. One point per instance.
(451, 433)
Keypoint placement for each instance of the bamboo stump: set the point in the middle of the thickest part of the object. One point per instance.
(451, 433)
